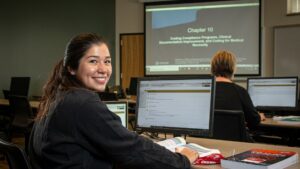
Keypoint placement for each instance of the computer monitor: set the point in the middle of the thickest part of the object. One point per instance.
(120, 108)
(132, 86)
(272, 93)
(19, 86)
(177, 105)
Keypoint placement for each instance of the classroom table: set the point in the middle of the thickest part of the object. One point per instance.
(33, 104)
(286, 132)
(228, 148)
(275, 123)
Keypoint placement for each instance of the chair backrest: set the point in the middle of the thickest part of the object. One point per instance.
(16, 157)
(21, 110)
(230, 125)
(19, 86)
(132, 86)
(107, 96)
(6, 93)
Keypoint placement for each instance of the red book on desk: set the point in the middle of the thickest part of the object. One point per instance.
(260, 159)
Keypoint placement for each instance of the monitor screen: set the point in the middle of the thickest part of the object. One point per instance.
(181, 37)
(19, 86)
(120, 108)
(177, 105)
(273, 92)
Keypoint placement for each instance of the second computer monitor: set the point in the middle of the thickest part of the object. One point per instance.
(273, 92)
(120, 108)
(176, 105)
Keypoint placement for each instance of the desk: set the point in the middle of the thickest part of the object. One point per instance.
(288, 132)
(274, 123)
(227, 148)
(33, 104)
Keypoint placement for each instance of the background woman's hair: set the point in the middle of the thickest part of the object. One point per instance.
(223, 64)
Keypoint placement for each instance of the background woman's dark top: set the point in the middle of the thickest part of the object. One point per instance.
(230, 96)
(81, 133)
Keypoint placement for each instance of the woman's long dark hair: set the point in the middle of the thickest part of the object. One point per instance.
(61, 79)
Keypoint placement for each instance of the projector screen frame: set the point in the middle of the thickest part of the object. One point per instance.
(175, 2)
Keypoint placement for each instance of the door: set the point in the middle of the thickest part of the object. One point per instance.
(131, 57)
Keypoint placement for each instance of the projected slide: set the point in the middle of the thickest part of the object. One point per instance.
(182, 38)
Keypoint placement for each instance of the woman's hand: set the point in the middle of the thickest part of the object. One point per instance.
(192, 155)
(262, 116)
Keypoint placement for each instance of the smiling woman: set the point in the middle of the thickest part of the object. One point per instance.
(94, 68)
(75, 129)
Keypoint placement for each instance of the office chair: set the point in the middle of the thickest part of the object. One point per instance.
(22, 120)
(6, 94)
(107, 96)
(5, 121)
(131, 120)
(131, 115)
(16, 157)
(19, 86)
(132, 86)
(230, 125)
(118, 91)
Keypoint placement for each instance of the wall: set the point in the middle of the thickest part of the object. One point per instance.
(33, 34)
(274, 15)
(129, 19)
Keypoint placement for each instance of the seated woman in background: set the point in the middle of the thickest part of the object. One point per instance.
(75, 130)
(230, 96)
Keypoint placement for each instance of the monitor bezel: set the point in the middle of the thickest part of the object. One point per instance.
(176, 130)
(274, 108)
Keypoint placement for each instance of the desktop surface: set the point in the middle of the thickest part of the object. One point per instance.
(278, 132)
(277, 123)
(228, 148)
(33, 104)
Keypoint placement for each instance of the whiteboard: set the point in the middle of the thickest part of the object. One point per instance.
(287, 51)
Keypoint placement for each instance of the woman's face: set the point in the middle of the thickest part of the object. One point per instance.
(94, 68)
